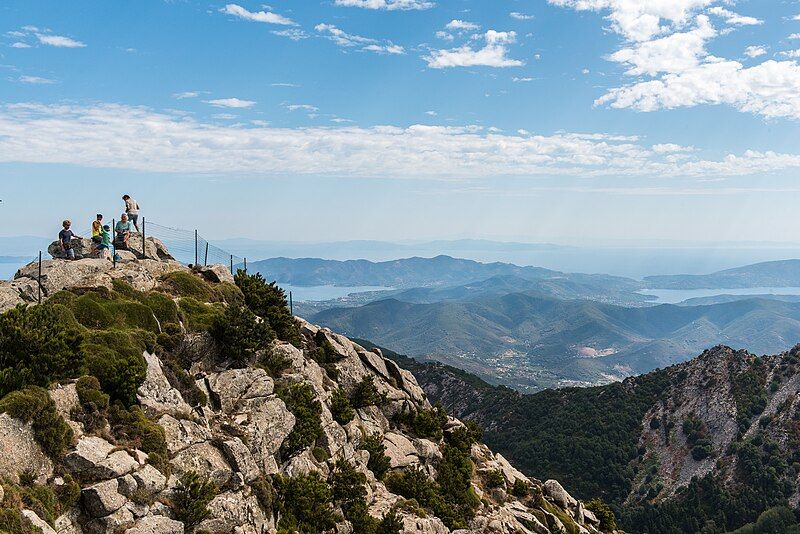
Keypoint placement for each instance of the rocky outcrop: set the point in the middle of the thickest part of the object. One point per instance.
(153, 249)
(238, 436)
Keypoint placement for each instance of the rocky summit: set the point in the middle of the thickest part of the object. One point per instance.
(310, 432)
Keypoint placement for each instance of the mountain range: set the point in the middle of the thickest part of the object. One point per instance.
(704, 446)
(784, 273)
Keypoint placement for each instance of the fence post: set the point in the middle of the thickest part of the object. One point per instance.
(205, 260)
(245, 266)
(143, 239)
(114, 242)
(291, 304)
(231, 263)
(40, 277)
(195, 248)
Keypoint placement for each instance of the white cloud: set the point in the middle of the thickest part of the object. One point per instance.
(674, 53)
(35, 80)
(223, 116)
(520, 16)
(139, 138)
(284, 84)
(20, 44)
(59, 41)
(431, 113)
(585, 71)
(445, 36)
(291, 33)
(493, 54)
(521, 80)
(734, 18)
(771, 89)
(793, 54)
(230, 103)
(389, 5)
(639, 20)
(257, 16)
(348, 40)
(794, 36)
(186, 94)
(461, 25)
(755, 51)
(302, 107)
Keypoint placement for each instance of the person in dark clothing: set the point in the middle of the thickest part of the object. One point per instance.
(65, 240)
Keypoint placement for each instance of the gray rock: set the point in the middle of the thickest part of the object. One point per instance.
(265, 428)
(103, 498)
(156, 524)
(231, 389)
(233, 511)
(241, 459)
(559, 495)
(156, 394)
(150, 480)
(2, 494)
(65, 397)
(9, 297)
(19, 451)
(114, 522)
(216, 273)
(38, 522)
(182, 433)
(95, 458)
(67, 523)
(127, 485)
(400, 450)
(206, 459)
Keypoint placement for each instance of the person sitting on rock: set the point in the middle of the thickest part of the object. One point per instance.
(104, 247)
(123, 229)
(132, 210)
(97, 229)
(65, 240)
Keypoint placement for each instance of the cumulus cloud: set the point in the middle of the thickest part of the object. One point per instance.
(520, 16)
(230, 103)
(388, 5)
(35, 80)
(257, 16)
(462, 25)
(186, 94)
(348, 40)
(139, 138)
(755, 51)
(493, 54)
(302, 107)
(59, 41)
(734, 18)
(294, 34)
(20, 44)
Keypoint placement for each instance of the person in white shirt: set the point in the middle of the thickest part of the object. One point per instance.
(132, 210)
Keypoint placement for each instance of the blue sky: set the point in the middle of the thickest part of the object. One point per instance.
(540, 120)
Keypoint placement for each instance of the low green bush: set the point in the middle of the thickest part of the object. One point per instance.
(424, 423)
(521, 488)
(198, 316)
(132, 427)
(305, 504)
(604, 513)
(186, 284)
(241, 334)
(120, 372)
(378, 462)
(495, 479)
(365, 393)
(190, 499)
(325, 355)
(38, 345)
(34, 405)
(268, 301)
(273, 362)
(302, 402)
(341, 410)
(93, 409)
(180, 379)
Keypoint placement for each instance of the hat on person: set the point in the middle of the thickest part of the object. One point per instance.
(106, 227)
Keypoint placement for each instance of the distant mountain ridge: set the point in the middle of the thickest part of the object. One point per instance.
(533, 341)
(784, 273)
(703, 446)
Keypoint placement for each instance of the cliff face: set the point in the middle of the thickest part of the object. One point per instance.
(245, 431)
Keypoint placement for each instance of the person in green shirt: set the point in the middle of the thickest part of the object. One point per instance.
(123, 230)
(104, 247)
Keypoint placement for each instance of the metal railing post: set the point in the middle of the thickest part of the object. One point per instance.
(114, 242)
(245, 266)
(144, 249)
(231, 263)
(205, 260)
(40, 277)
(291, 304)
(195, 248)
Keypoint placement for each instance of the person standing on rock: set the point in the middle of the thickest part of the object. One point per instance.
(132, 210)
(104, 247)
(65, 240)
(123, 230)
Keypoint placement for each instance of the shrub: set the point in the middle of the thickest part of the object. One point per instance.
(495, 479)
(413, 484)
(455, 486)
(608, 521)
(301, 401)
(265, 493)
(325, 355)
(341, 410)
(197, 316)
(521, 488)
(378, 462)
(464, 437)
(241, 334)
(131, 426)
(37, 346)
(273, 362)
(93, 404)
(186, 284)
(424, 423)
(390, 524)
(268, 301)
(320, 454)
(119, 373)
(34, 405)
(305, 504)
(366, 394)
(191, 498)
(347, 485)
(180, 379)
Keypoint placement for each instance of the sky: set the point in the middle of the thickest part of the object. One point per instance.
(322, 120)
